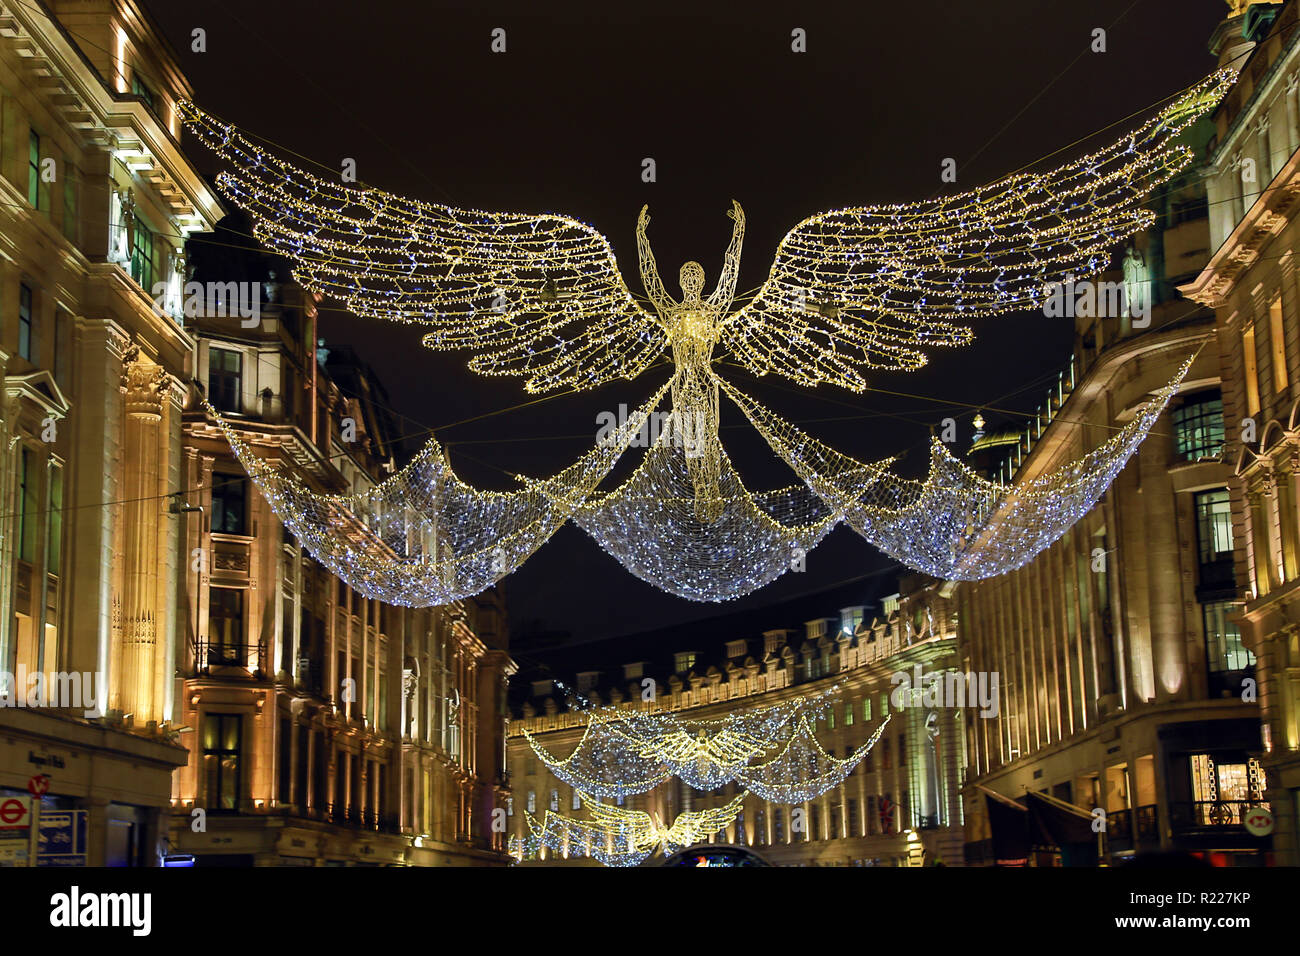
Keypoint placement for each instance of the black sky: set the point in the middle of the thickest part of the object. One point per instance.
(562, 121)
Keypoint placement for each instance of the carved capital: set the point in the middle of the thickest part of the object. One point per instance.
(144, 383)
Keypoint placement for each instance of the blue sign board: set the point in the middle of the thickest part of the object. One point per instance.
(61, 838)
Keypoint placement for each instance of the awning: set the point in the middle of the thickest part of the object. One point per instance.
(1009, 828)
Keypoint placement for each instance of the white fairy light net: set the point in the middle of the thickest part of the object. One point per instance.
(624, 752)
(650, 524)
(956, 525)
(423, 537)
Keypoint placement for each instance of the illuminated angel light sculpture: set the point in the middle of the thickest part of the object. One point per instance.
(772, 751)
(622, 837)
(541, 296)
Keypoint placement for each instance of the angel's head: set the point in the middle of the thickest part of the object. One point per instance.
(692, 280)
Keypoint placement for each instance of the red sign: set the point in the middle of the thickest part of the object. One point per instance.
(1258, 821)
(15, 813)
(39, 785)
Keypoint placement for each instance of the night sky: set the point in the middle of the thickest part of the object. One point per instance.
(562, 121)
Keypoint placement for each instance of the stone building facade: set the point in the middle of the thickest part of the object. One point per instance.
(320, 726)
(97, 202)
(326, 728)
(1253, 286)
(1127, 687)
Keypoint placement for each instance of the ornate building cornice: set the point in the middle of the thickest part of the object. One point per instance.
(1270, 214)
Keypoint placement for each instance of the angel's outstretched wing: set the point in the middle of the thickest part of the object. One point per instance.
(633, 827)
(694, 826)
(875, 286)
(534, 295)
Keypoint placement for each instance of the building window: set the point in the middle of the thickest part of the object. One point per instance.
(225, 626)
(142, 255)
(685, 660)
(225, 368)
(1214, 538)
(140, 89)
(33, 169)
(778, 825)
(1277, 343)
(576, 802)
(1226, 655)
(222, 745)
(229, 504)
(1188, 210)
(1198, 427)
(55, 560)
(25, 321)
(1251, 371)
(27, 517)
(532, 801)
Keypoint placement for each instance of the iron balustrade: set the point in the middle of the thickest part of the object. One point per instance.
(209, 654)
(1205, 814)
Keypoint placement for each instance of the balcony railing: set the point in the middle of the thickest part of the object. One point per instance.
(1210, 814)
(210, 654)
(343, 816)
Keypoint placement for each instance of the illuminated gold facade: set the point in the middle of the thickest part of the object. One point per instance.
(1127, 688)
(97, 202)
(336, 729)
(1253, 286)
(325, 728)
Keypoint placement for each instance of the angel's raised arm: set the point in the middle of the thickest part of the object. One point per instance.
(654, 286)
(726, 288)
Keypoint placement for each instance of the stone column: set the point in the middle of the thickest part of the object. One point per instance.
(133, 686)
(1292, 134)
